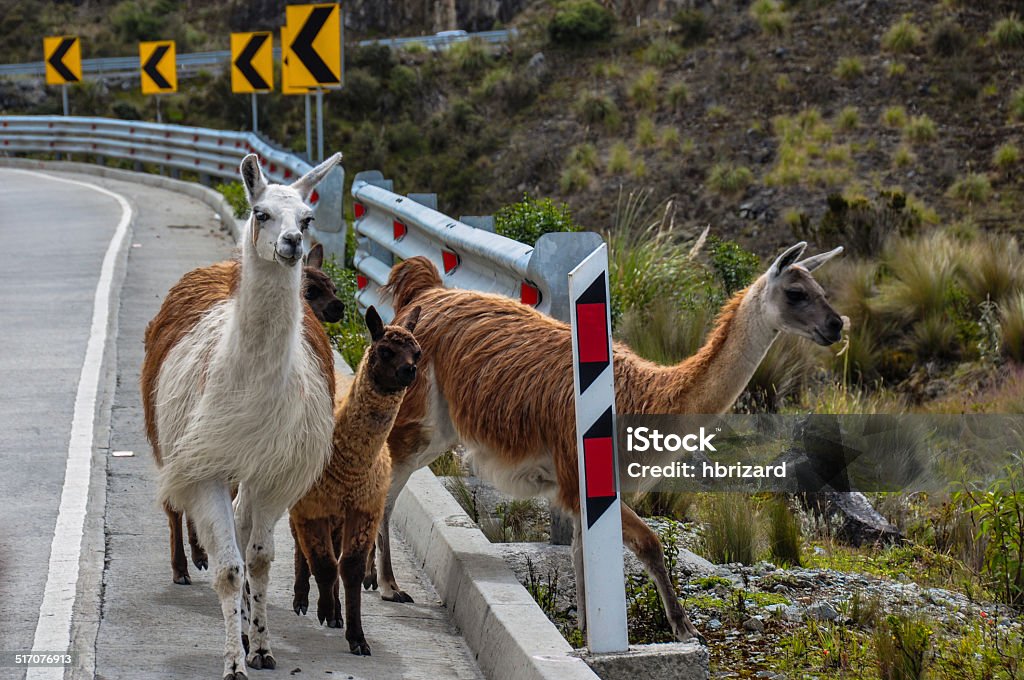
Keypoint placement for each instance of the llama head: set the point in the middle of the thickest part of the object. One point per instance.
(280, 216)
(393, 353)
(318, 288)
(796, 303)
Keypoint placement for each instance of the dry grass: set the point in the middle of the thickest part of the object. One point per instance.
(770, 16)
(894, 117)
(729, 179)
(902, 36)
(972, 188)
(849, 68)
(1006, 156)
(643, 91)
(920, 130)
(1008, 33)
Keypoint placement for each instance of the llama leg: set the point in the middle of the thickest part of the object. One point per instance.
(259, 554)
(644, 543)
(358, 537)
(337, 532)
(370, 575)
(318, 547)
(179, 564)
(300, 590)
(389, 589)
(577, 565)
(199, 556)
(210, 509)
(243, 530)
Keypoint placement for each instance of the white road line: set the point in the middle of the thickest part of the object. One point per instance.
(53, 629)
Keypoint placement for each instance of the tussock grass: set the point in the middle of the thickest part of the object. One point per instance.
(665, 332)
(783, 83)
(849, 68)
(903, 157)
(948, 39)
(1011, 328)
(595, 108)
(992, 268)
(1017, 103)
(1006, 156)
(646, 134)
(678, 96)
(902, 36)
(1008, 33)
(574, 178)
(896, 69)
(585, 156)
(669, 140)
(730, 528)
(729, 179)
(848, 119)
(620, 160)
(662, 52)
(770, 16)
(972, 188)
(923, 276)
(920, 130)
(783, 534)
(470, 57)
(894, 117)
(643, 91)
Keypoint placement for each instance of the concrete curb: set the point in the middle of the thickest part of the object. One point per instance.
(209, 196)
(509, 634)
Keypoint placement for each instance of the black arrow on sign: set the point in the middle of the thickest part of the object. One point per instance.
(56, 60)
(244, 62)
(302, 46)
(150, 67)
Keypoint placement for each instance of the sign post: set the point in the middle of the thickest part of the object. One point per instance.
(252, 66)
(62, 56)
(600, 519)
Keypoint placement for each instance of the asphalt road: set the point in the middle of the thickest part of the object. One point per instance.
(130, 620)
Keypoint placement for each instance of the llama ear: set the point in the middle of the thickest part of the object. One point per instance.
(252, 178)
(815, 261)
(375, 324)
(414, 318)
(787, 258)
(305, 184)
(315, 258)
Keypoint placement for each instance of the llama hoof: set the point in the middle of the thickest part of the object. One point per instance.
(335, 623)
(300, 605)
(183, 580)
(398, 596)
(201, 561)
(370, 582)
(237, 675)
(359, 647)
(261, 659)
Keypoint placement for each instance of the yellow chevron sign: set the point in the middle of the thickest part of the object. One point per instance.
(158, 62)
(312, 52)
(62, 55)
(252, 62)
(287, 87)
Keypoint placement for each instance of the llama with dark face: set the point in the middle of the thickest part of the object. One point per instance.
(335, 524)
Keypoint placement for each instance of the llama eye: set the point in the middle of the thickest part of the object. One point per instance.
(796, 295)
(417, 355)
(260, 216)
(305, 223)
(386, 353)
(312, 294)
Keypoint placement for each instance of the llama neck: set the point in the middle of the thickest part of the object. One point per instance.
(367, 411)
(268, 316)
(712, 379)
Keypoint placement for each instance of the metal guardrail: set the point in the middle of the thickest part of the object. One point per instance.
(390, 225)
(193, 62)
(210, 153)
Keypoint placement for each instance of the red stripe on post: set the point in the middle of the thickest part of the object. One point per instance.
(314, 197)
(361, 281)
(400, 230)
(598, 459)
(451, 261)
(358, 209)
(591, 320)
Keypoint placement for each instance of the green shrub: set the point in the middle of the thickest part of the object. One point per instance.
(730, 528)
(643, 91)
(662, 52)
(972, 188)
(727, 178)
(598, 109)
(949, 39)
(349, 335)
(235, 196)
(902, 36)
(579, 22)
(920, 130)
(693, 25)
(138, 21)
(735, 266)
(849, 68)
(529, 219)
(770, 16)
(1006, 155)
(783, 534)
(1008, 33)
(901, 643)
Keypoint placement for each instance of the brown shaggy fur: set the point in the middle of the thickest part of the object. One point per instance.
(195, 294)
(336, 522)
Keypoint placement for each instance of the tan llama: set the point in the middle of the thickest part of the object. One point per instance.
(497, 376)
(336, 522)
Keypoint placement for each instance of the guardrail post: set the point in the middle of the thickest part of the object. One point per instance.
(329, 218)
(554, 256)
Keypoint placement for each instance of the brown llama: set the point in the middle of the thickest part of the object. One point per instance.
(339, 517)
(241, 389)
(321, 295)
(497, 376)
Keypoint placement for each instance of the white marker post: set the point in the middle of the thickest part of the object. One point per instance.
(590, 317)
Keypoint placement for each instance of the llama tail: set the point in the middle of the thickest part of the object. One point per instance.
(409, 279)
